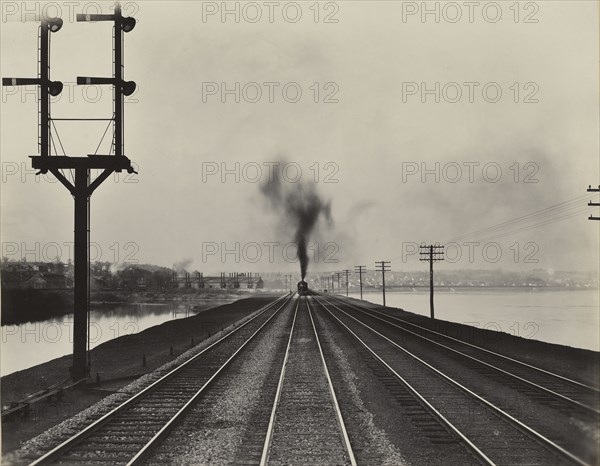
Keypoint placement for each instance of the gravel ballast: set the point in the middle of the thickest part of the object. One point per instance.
(54, 435)
(212, 431)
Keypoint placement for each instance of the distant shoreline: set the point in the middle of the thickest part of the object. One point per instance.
(20, 306)
(446, 288)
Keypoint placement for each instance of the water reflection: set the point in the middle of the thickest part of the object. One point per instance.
(29, 344)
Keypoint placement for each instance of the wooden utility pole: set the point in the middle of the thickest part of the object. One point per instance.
(383, 267)
(431, 254)
(346, 271)
(593, 204)
(338, 275)
(360, 269)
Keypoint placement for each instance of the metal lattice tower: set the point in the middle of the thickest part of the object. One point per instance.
(82, 187)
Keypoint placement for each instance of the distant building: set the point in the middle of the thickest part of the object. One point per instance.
(55, 280)
(36, 282)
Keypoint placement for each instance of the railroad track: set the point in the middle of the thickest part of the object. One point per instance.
(306, 425)
(384, 406)
(547, 387)
(491, 434)
(131, 430)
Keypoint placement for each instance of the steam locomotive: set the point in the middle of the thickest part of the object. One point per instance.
(302, 288)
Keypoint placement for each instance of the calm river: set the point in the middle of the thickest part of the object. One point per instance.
(30, 344)
(566, 317)
(556, 316)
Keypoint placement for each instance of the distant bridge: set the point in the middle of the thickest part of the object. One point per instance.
(234, 280)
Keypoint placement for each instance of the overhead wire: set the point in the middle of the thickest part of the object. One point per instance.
(550, 211)
(555, 213)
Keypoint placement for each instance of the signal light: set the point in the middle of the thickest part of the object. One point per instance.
(127, 87)
(54, 87)
(54, 24)
(93, 18)
(121, 87)
(127, 24)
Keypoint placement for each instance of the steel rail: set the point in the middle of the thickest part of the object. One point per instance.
(338, 411)
(65, 445)
(269, 436)
(508, 358)
(473, 358)
(152, 443)
(539, 437)
(435, 413)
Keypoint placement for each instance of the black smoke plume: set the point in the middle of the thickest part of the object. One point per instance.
(300, 206)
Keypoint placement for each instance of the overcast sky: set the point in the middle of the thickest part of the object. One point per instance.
(362, 132)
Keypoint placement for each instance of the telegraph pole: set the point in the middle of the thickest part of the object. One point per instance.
(593, 204)
(360, 269)
(431, 254)
(82, 187)
(383, 267)
(346, 271)
(338, 275)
